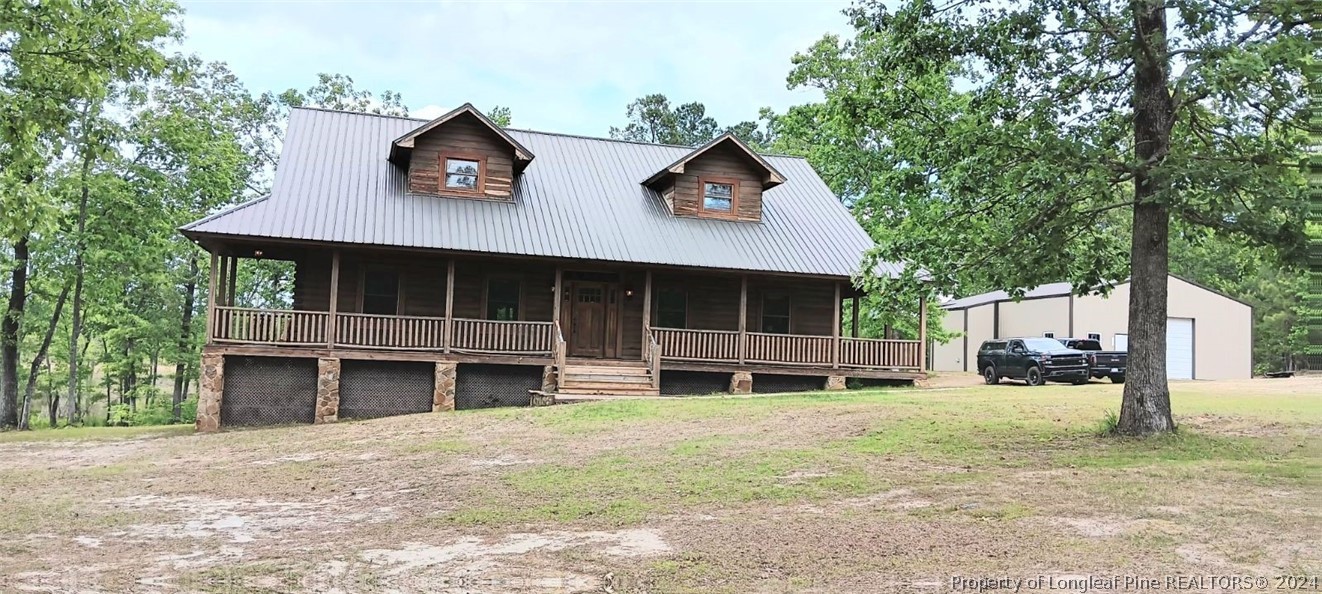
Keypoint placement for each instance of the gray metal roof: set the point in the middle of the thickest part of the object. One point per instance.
(1048, 290)
(582, 198)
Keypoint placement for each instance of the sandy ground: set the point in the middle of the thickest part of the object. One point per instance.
(881, 491)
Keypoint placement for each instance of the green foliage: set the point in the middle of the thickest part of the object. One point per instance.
(652, 119)
(158, 412)
(500, 115)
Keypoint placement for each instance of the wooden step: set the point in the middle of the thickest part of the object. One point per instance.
(607, 392)
(573, 362)
(594, 385)
(619, 379)
(572, 370)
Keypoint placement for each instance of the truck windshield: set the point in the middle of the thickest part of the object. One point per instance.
(1043, 344)
(1087, 345)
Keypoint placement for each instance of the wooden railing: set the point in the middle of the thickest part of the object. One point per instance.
(264, 326)
(792, 349)
(560, 350)
(494, 336)
(697, 345)
(873, 352)
(389, 332)
(652, 355)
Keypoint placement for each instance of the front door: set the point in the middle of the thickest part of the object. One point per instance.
(587, 337)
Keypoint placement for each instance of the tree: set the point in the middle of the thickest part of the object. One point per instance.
(651, 119)
(500, 115)
(1002, 144)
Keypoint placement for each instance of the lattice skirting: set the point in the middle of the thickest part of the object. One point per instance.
(694, 383)
(268, 391)
(488, 386)
(772, 384)
(372, 389)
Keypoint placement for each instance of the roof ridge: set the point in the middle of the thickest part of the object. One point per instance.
(544, 132)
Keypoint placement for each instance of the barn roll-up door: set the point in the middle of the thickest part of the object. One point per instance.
(1179, 348)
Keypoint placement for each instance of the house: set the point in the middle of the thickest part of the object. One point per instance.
(452, 263)
(1208, 335)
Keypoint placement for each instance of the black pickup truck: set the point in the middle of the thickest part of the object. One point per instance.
(1101, 363)
(1034, 360)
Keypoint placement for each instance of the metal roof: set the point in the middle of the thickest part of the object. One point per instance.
(582, 199)
(1048, 290)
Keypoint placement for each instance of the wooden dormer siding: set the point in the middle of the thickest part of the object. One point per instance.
(720, 164)
(467, 138)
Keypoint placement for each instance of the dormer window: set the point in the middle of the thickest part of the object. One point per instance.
(463, 173)
(718, 196)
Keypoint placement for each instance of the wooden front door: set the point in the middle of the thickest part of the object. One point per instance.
(587, 337)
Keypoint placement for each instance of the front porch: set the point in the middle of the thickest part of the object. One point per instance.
(393, 304)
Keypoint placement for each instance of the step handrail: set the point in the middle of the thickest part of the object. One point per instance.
(652, 354)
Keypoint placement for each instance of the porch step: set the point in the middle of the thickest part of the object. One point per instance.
(572, 377)
(607, 377)
(608, 391)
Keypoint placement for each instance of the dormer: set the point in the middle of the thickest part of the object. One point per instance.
(723, 179)
(462, 154)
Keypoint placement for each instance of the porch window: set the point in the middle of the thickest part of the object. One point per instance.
(380, 291)
(503, 299)
(672, 309)
(776, 314)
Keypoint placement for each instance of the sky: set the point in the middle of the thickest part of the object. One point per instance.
(568, 67)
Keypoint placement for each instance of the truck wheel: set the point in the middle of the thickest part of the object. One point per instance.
(989, 376)
(1117, 379)
(1034, 376)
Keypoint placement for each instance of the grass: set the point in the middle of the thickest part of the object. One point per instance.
(833, 492)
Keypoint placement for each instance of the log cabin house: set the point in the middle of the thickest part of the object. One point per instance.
(452, 263)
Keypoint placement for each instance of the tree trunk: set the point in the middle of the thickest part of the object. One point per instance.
(18, 296)
(1146, 408)
(185, 340)
(72, 411)
(40, 357)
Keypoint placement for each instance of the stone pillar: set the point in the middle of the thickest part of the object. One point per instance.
(328, 391)
(549, 383)
(741, 383)
(443, 395)
(835, 382)
(210, 390)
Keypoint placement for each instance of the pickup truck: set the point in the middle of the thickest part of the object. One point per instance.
(1034, 360)
(1101, 363)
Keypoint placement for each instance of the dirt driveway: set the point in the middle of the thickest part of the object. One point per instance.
(896, 490)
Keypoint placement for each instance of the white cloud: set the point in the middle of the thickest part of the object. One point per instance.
(568, 67)
(428, 112)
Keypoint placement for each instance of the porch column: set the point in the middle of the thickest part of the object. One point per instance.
(647, 309)
(835, 327)
(211, 299)
(223, 281)
(331, 324)
(234, 276)
(922, 332)
(743, 318)
(449, 305)
(854, 330)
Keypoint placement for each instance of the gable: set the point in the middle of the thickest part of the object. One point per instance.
(463, 139)
(723, 179)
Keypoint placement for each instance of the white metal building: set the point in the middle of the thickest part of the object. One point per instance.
(1208, 335)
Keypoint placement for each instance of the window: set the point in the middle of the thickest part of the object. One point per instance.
(380, 291)
(776, 314)
(502, 299)
(718, 195)
(463, 173)
(672, 309)
(1095, 336)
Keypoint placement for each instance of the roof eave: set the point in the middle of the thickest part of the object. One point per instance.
(773, 176)
(522, 156)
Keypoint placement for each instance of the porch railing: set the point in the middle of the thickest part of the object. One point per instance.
(789, 348)
(652, 355)
(390, 332)
(263, 326)
(507, 337)
(698, 345)
(872, 352)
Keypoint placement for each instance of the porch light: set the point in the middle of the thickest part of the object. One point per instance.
(628, 292)
(257, 253)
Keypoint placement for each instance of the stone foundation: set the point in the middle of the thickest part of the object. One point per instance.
(835, 382)
(328, 391)
(741, 383)
(443, 397)
(210, 391)
(549, 383)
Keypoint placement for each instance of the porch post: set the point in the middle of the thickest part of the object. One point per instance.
(223, 281)
(234, 276)
(854, 330)
(555, 308)
(743, 318)
(449, 303)
(331, 324)
(835, 327)
(647, 308)
(922, 332)
(211, 299)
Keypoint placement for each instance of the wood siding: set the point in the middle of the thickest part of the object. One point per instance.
(720, 162)
(461, 136)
